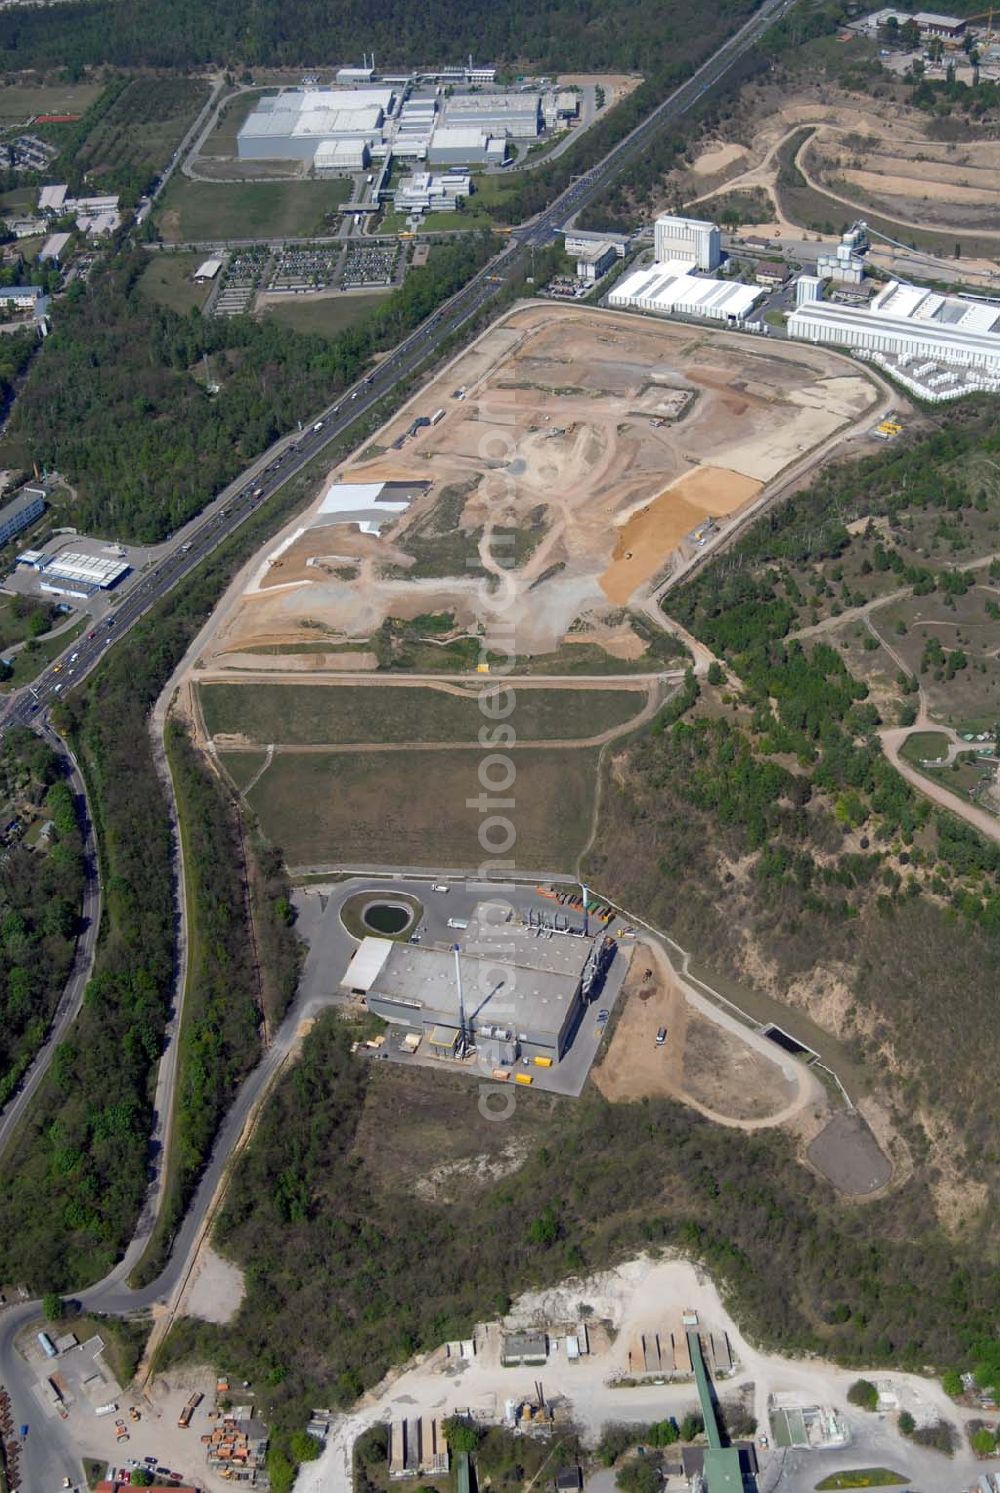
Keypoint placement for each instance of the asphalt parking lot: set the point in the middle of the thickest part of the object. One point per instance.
(369, 264)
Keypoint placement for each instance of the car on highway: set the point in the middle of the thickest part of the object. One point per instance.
(91, 635)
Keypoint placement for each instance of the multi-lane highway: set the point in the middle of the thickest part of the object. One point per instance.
(47, 1456)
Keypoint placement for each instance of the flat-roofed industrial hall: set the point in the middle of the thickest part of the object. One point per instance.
(511, 989)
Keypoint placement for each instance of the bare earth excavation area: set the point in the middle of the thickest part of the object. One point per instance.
(539, 485)
(574, 451)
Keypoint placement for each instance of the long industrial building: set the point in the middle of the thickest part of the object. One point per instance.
(459, 145)
(517, 115)
(70, 574)
(671, 289)
(292, 125)
(919, 334)
(692, 240)
(519, 988)
(342, 130)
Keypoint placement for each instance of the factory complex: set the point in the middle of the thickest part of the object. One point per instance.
(672, 285)
(511, 990)
(939, 346)
(293, 125)
(345, 128)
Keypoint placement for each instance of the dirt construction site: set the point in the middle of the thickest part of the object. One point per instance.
(570, 452)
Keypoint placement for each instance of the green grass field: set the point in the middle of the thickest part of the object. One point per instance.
(471, 218)
(31, 660)
(345, 714)
(20, 101)
(409, 808)
(167, 281)
(241, 766)
(193, 211)
(922, 746)
(14, 629)
(863, 1477)
(326, 315)
(18, 199)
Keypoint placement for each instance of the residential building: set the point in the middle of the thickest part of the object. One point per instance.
(21, 511)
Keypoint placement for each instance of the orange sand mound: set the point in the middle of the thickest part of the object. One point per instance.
(655, 531)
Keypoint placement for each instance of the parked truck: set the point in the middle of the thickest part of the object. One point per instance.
(184, 1419)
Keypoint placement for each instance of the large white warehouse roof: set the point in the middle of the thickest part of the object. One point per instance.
(663, 288)
(908, 326)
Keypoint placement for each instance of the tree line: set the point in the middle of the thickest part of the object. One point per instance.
(118, 403)
(73, 1181)
(220, 1032)
(567, 34)
(41, 889)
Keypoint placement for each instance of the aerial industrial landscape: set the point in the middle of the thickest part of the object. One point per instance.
(499, 777)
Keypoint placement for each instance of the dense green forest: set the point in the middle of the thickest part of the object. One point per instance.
(220, 1033)
(74, 1178)
(343, 1282)
(40, 895)
(72, 1183)
(117, 401)
(180, 33)
(16, 352)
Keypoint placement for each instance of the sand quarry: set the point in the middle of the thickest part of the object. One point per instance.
(869, 155)
(607, 437)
